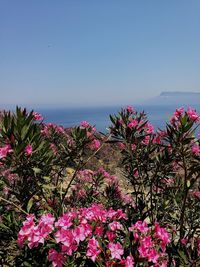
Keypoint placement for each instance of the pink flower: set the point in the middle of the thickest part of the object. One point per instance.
(95, 212)
(184, 241)
(6, 190)
(69, 250)
(157, 139)
(175, 166)
(28, 150)
(136, 173)
(143, 251)
(99, 230)
(81, 232)
(85, 124)
(128, 262)
(116, 250)
(130, 109)
(66, 237)
(46, 224)
(146, 140)
(35, 234)
(163, 235)
(147, 242)
(198, 244)
(66, 220)
(111, 235)
(192, 114)
(122, 146)
(133, 124)
(153, 256)
(196, 194)
(116, 215)
(95, 145)
(5, 150)
(26, 230)
(93, 249)
(115, 226)
(178, 113)
(140, 226)
(56, 258)
(37, 116)
(196, 150)
(54, 148)
(149, 128)
(133, 147)
(127, 199)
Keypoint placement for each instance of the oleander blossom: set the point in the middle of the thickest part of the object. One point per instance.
(196, 150)
(128, 262)
(133, 123)
(5, 150)
(33, 233)
(196, 194)
(56, 258)
(28, 150)
(37, 116)
(93, 249)
(116, 250)
(95, 145)
(176, 116)
(130, 109)
(140, 226)
(85, 124)
(192, 114)
(90, 228)
(162, 235)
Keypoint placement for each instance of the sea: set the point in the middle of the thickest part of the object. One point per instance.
(99, 116)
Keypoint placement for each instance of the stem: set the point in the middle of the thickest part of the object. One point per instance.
(185, 190)
(13, 204)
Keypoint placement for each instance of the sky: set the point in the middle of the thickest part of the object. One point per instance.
(70, 53)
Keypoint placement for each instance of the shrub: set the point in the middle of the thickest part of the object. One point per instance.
(81, 217)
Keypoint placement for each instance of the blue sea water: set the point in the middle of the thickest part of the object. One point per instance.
(99, 116)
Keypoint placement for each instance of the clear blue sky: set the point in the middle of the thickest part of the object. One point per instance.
(106, 52)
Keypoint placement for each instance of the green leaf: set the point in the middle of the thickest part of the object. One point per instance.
(36, 170)
(183, 256)
(25, 263)
(47, 178)
(3, 226)
(30, 204)
(24, 132)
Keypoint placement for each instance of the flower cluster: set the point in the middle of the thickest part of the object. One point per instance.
(82, 229)
(28, 150)
(49, 127)
(33, 233)
(179, 113)
(5, 150)
(90, 131)
(37, 116)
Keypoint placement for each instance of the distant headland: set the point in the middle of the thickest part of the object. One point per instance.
(178, 93)
(176, 98)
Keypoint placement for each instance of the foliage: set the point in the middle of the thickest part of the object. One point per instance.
(73, 216)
